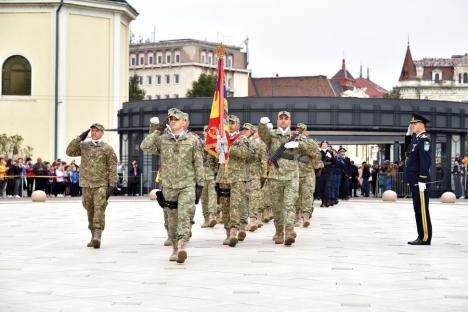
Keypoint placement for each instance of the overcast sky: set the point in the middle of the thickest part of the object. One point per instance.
(308, 37)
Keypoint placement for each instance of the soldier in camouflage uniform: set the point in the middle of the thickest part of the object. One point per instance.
(284, 179)
(98, 177)
(181, 177)
(254, 174)
(209, 197)
(307, 167)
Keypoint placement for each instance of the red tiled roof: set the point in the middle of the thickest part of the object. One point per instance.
(291, 86)
(373, 89)
(408, 72)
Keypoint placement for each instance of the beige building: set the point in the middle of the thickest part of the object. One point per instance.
(64, 66)
(434, 78)
(167, 68)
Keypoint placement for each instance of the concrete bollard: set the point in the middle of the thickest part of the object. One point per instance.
(389, 196)
(448, 198)
(39, 196)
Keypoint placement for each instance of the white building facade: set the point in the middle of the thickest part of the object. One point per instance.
(167, 69)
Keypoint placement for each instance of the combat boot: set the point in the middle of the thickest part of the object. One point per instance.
(241, 236)
(211, 220)
(173, 256)
(226, 241)
(233, 237)
(205, 224)
(253, 225)
(168, 242)
(306, 216)
(90, 244)
(97, 238)
(290, 238)
(279, 239)
(181, 252)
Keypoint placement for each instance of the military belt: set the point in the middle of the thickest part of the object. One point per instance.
(327, 163)
(287, 156)
(304, 160)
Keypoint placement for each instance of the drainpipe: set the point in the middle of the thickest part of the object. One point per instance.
(57, 27)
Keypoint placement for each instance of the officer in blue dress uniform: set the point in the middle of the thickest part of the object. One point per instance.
(418, 164)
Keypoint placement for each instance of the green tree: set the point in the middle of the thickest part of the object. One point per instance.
(204, 86)
(135, 93)
(11, 146)
(393, 94)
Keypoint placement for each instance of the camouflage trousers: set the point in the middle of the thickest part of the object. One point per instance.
(95, 202)
(209, 198)
(178, 220)
(284, 195)
(305, 199)
(255, 197)
(230, 212)
(266, 195)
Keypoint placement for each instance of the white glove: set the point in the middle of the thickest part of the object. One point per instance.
(154, 120)
(422, 186)
(328, 155)
(409, 131)
(270, 125)
(292, 144)
(264, 120)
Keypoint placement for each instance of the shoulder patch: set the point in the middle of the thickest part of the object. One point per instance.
(424, 136)
(427, 146)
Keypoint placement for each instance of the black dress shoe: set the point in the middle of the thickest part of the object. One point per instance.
(419, 241)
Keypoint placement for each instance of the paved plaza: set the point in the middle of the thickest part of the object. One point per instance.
(354, 257)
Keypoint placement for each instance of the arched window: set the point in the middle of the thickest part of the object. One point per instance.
(465, 78)
(16, 76)
(436, 77)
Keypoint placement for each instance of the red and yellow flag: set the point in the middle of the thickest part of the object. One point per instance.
(217, 142)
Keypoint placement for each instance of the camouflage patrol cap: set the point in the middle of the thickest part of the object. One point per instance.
(247, 126)
(177, 113)
(302, 126)
(234, 118)
(284, 113)
(97, 126)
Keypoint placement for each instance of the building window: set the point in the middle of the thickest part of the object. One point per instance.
(229, 61)
(210, 58)
(133, 60)
(177, 57)
(168, 79)
(176, 78)
(159, 58)
(229, 83)
(168, 57)
(176, 96)
(142, 60)
(459, 78)
(158, 79)
(436, 77)
(149, 80)
(140, 80)
(203, 57)
(16, 76)
(150, 59)
(167, 96)
(465, 78)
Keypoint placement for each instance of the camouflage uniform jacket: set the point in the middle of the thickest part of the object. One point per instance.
(181, 159)
(241, 154)
(210, 163)
(274, 138)
(98, 163)
(256, 168)
(307, 164)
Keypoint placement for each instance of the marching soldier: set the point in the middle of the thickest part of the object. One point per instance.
(418, 163)
(209, 197)
(181, 177)
(284, 179)
(307, 167)
(98, 177)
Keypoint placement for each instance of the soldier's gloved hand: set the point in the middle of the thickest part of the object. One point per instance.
(264, 120)
(292, 144)
(84, 135)
(269, 125)
(409, 131)
(154, 120)
(328, 155)
(421, 186)
(110, 191)
(198, 193)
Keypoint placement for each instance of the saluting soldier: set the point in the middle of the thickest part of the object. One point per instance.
(181, 177)
(418, 164)
(98, 177)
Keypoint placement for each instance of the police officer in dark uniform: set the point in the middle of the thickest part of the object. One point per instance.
(418, 163)
(324, 178)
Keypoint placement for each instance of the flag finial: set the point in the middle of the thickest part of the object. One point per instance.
(220, 50)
